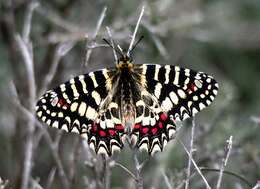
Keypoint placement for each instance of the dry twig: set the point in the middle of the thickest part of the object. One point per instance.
(191, 153)
(25, 48)
(224, 161)
(53, 146)
(98, 26)
(195, 165)
(166, 180)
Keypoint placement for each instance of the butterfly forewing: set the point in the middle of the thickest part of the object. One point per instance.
(180, 92)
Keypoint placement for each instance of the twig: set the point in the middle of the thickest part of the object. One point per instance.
(60, 51)
(191, 153)
(195, 165)
(50, 178)
(138, 168)
(224, 161)
(28, 18)
(46, 135)
(112, 43)
(98, 26)
(99, 23)
(166, 180)
(126, 170)
(229, 173)
(135, 31)
(257, 185)
(107, 173)
(25, 48)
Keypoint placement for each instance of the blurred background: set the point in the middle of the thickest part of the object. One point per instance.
(221, 38)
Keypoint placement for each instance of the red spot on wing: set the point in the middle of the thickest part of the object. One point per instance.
(154, 130)
(62, 102)
(112, 131)
(160, 125)
(145, 130)
(163, 116)
(191, 87)
(137, 126)
(102, 133)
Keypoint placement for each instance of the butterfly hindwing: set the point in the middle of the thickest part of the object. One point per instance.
(153, 128)
(107, 132)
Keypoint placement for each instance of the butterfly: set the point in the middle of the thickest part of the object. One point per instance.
(134, 103)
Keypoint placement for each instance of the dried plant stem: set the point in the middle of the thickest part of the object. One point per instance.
(228, 173)
(126, 170)
(107, 173)
(135, 31)
(228, 148)
(102, 172)
(50, 178)
(195, 165)
(60, 51)
(27, 22)
(98, 26)
(166, 180)
(25, 48)
(53, 145)
(112, 43)
(138, 169)
(191, 153)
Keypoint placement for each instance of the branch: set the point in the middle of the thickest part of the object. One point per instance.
(126, 170)
(229, 173)
(191, 152)
(135, 31)
(25, 48)
(166, 180)
(224, 161)
(112, 43)
(195, 165)
(28, 18)
(46, 135)
(60, 51)
(138, 167)
(98, 26)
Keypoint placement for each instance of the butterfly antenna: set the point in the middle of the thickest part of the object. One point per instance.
(118, 51)
(140, 39)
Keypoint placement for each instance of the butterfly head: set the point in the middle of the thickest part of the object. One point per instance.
(124, 61)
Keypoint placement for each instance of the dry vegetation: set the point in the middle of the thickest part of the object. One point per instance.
(44, 43)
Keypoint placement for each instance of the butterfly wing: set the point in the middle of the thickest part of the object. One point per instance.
(176, 94)
(77, 106)
(180, 92)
